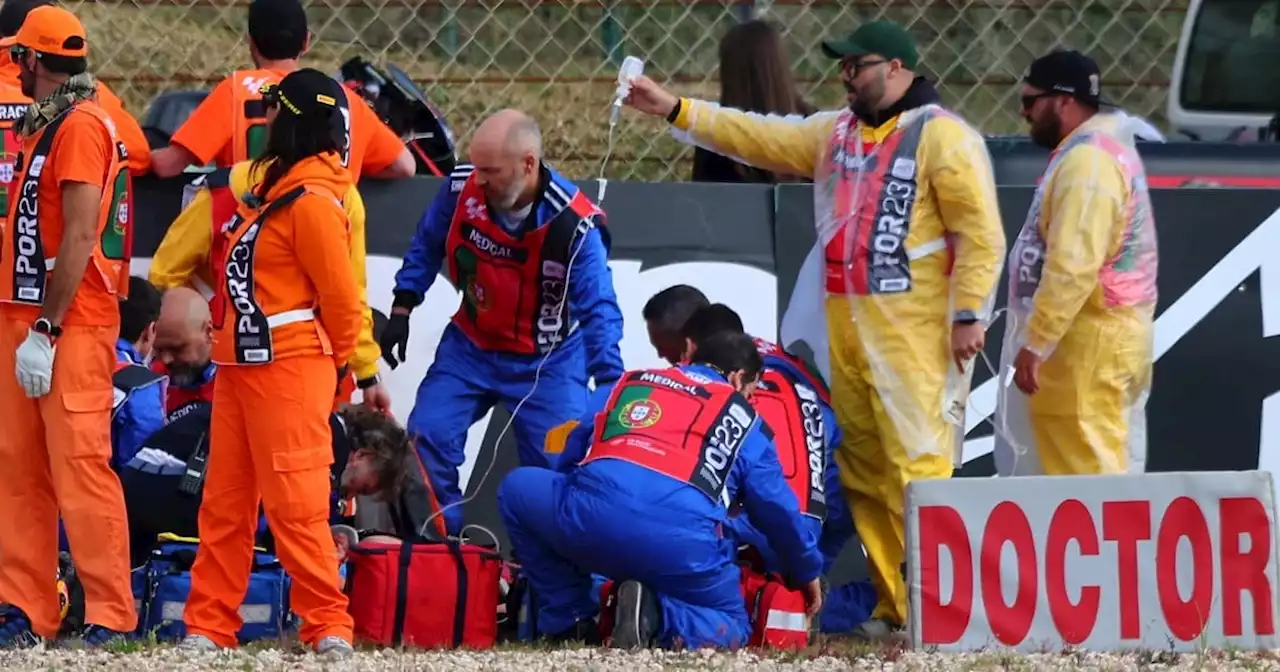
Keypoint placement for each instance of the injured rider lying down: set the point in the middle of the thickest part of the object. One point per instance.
(372, 456)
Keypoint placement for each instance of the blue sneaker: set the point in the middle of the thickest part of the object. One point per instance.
(15, 631)
(96, 636)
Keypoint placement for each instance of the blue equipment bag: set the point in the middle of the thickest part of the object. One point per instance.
(168, 581)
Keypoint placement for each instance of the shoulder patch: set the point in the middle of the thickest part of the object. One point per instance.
(458, 178)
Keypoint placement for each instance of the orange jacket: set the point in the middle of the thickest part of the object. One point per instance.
(80, 146)
(286, 288)
(230, 126)
(127, 128)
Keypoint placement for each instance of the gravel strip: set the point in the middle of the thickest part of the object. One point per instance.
(596, 660)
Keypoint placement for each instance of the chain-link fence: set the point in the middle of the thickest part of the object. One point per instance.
(557, 59)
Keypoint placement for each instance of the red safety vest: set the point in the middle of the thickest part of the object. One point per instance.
(666, 421)
(514, 287)
(222, 209)
(887, 189)
(769, 350)
(794, 413)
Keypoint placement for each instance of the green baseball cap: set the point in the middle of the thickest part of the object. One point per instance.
(884, 38)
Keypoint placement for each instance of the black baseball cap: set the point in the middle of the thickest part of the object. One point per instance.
(1069, 72)
(305, 93)
(884, 38)
(278, 28)
(14, 12)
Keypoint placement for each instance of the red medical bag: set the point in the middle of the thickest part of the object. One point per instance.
(430, 595)
(608, 608)
(777, 614)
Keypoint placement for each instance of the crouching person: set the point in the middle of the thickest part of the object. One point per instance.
(642, 495)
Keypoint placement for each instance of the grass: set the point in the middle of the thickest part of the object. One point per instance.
(856, 654)
(552, 57)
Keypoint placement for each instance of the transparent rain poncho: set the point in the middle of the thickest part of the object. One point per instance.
(1082, 295)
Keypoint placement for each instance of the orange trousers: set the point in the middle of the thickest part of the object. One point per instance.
(55, 455)
(270, 442)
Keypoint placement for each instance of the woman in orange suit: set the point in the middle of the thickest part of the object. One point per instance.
(286, 320)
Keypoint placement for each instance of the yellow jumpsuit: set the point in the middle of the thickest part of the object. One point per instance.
(183, 256)
(885, 346)
(1082, 295)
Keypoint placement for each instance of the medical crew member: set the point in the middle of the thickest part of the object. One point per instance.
(184, 348)
(64, 260)
(286, 322)
(529, 252)
(804, 433)
(138, 407)
(643, 495)
(195, 238)
(910, 249)
(671, 322)
(12, 14)
(1082, 288)
(230, 124)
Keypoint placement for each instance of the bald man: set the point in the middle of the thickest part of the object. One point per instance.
(529, 252)
(184, 337)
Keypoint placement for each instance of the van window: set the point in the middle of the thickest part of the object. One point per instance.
(1232, 56)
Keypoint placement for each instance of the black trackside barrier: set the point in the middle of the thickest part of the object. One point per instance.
(1211, 386)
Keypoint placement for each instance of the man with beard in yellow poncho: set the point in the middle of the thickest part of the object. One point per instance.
(186, 257)
(908, 259)
(1082, 288)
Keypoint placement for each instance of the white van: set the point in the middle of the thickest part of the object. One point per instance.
(1226, 78)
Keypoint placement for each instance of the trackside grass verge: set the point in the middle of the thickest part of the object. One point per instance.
(827, 654)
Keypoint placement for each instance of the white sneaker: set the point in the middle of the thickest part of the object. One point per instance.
(197, 644)
(334, 647)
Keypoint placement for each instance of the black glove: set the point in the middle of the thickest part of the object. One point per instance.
(395, 333)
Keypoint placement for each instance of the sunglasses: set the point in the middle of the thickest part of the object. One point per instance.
(1029, 99)
(17, 53)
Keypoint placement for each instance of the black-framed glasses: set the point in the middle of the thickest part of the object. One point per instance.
(855, 66)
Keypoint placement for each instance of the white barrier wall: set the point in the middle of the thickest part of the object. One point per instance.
(1154, 561)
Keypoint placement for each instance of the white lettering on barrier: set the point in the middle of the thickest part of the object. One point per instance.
(1101, 562)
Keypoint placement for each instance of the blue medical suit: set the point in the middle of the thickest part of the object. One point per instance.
(617, 519)
(465, 382)
(848, 605)
(829, 536)
(141, 415)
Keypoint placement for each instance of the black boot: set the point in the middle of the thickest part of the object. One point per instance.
(637, 618)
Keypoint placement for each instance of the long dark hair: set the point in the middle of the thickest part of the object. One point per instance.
(291, 139)
(390, 444)
(755, 75)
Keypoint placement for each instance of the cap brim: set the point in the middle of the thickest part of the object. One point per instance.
(6, 42)
(838, 49)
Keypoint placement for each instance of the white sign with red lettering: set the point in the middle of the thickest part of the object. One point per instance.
(1097, 562)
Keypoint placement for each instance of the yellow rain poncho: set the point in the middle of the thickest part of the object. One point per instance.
(910, 241)
(1082, 296)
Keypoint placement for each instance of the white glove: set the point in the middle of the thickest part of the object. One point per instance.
(35, 364)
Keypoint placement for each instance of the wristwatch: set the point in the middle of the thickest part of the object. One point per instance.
(366, 383)
(44, 326)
